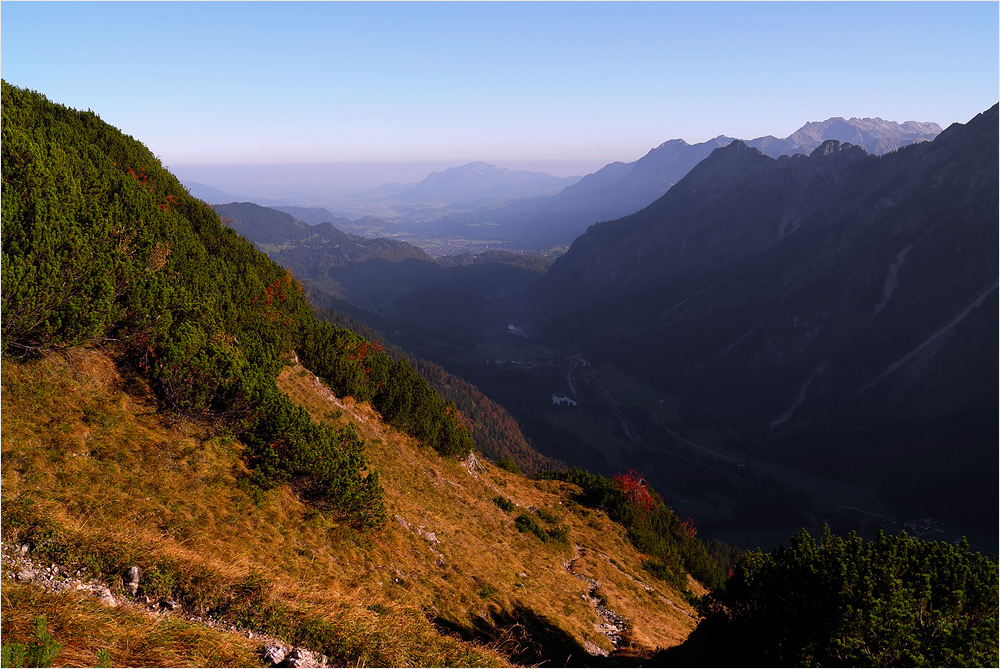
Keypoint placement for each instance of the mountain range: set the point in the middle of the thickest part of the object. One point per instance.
(619, 189)
(480, 201)
(837, 309)
(474, 182)
(200, 470)
(387, 277)
(771, 294)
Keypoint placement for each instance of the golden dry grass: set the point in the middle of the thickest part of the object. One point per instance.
(132, 638)
(100, 461)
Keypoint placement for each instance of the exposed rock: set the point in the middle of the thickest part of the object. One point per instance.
(103, 593)
(132, 580)
(300, 657)
(274, 653)
(612, 625)
(18, 564)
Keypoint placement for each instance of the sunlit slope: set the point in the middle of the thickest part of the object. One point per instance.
(151, 392)
(96, 479)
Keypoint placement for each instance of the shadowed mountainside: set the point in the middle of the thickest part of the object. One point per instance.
(840, 300)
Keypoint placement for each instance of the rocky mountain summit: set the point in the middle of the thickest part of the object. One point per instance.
(875, 135)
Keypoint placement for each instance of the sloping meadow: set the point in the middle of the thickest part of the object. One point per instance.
(97, 481)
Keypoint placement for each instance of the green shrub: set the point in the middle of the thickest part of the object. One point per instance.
(525, 523)
(507, 464)
(895, 601)
(560, 534)
(353, 366)
(652, 527)
(40, 653)
(678, 579)
(546, 516)
(486, 591)
(104, 658)
(504, 503)
(101, 243)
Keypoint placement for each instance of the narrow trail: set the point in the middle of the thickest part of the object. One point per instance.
(19, 564)
(644, 586)
(612, 625)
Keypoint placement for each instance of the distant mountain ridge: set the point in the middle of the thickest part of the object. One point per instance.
(209, 194)
(480, 181)
(479, 201)
(874, 135)
(619, 189)
(385, 276)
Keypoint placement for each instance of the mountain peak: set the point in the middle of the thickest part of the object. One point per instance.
(828, 147)
(480, 180)
(477, 167)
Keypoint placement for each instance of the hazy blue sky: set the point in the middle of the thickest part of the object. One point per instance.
(232, 82)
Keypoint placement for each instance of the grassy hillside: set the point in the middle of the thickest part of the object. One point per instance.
(158, 421)
(95, 478)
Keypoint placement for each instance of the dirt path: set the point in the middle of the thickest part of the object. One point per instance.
(612, 625)
(18, 563)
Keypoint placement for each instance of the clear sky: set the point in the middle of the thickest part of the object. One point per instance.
(237, 83)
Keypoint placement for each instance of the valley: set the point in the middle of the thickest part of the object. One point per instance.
(617, 423)
(725, 362)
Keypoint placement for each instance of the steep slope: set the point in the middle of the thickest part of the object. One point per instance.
(401, 282)
(102, 246)
(496, 434)
(448, 561)
(840, 300)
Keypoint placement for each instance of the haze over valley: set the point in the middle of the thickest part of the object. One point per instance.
(483, 205)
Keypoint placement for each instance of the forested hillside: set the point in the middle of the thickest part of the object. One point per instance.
(495, 433)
